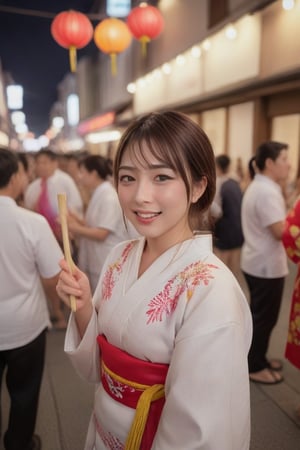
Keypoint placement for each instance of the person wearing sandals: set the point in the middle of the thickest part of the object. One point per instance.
(263, 258)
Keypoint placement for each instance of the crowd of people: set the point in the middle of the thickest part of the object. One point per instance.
(161, 325)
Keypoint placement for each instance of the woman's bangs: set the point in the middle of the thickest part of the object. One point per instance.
(143, 151)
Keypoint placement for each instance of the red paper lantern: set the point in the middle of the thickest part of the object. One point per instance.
(112, 36)
(145, 23)
(72, 30)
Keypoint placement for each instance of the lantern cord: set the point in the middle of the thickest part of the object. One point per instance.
(72, 56)
(144, 41)
(44, 14)
(113, 61)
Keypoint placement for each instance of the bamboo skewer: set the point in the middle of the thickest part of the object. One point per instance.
(62, 207)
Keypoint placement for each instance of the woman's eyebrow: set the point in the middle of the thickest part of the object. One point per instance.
(151, 167)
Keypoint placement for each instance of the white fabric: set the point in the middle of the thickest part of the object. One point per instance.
(263, 205)
(60, 182)
(205, 338)
(28, 250)
(103, 211)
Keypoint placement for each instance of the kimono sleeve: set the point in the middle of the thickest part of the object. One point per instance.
(84, 353)
(207, 388)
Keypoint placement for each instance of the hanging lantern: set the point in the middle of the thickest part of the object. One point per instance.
(145, 23)
(72, 30)
(112, 36)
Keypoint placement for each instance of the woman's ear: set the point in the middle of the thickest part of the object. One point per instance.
(199, 188)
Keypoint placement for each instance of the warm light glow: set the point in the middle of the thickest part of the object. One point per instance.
(180, 60)
(231, 32)
(103, 136)
(4, 139)
(196, 51)
(21, 128)
(206, 45)
(73, 109)
(58, 122)
(43, 141)
(14, 96)
(131, 88)
(166, 68)
(31, 145)
(17, 117)
(118, 8)
(287, 5)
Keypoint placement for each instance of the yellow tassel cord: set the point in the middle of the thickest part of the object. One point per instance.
(150, 394)
(135, 435)
(72, 57)
(144, 41)
(113, 62)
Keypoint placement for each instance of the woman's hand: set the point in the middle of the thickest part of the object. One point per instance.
(76, 284)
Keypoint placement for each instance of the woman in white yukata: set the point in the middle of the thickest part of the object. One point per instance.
(167, 332)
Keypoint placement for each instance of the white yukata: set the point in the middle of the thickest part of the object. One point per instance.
(186, 310)
(104, 211)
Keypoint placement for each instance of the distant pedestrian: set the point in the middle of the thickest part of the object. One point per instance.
(228, 235)
(263, 258)
(41, 196)
(28, 267)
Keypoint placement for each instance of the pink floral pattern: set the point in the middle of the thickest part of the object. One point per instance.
(164, 303)
(113, 272)
(109, 440)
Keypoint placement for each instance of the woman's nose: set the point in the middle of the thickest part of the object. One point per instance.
(143, 191)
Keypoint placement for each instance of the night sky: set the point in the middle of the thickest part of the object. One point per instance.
(32, 57)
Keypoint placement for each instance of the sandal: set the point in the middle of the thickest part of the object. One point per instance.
(275, 364)
(266, 376)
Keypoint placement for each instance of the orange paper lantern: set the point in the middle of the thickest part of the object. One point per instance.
(145, 23)
(72, 30)
(112, 36)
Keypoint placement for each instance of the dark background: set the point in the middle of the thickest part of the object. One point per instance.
(32, 57)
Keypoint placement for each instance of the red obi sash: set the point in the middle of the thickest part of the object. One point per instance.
(137, 384)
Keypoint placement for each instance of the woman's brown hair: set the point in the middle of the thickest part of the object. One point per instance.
(173, 138)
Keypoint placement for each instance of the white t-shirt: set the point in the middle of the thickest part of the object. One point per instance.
(263, 204)
(59, 182)
(104, 211)
(28, 250)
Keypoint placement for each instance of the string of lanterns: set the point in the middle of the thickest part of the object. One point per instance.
(73, 30)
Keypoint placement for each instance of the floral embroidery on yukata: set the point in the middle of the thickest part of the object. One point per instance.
(113, 272)
(164, 303)
(110, 441)
(116, 387)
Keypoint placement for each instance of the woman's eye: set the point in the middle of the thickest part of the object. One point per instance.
(125, 178)
(163, 177)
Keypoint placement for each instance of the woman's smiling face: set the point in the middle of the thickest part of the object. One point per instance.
(153, 197)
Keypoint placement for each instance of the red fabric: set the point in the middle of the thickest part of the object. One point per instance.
(291, 241)
(44, 208)
(137, 371)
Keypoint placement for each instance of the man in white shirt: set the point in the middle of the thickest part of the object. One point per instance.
(41, 196)
(263, 258)
(29, 266)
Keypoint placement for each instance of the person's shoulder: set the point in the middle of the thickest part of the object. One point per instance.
(61, 175)
(31, 216)
(33, 184)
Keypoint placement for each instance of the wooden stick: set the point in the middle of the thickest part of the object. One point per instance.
(62, 207)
